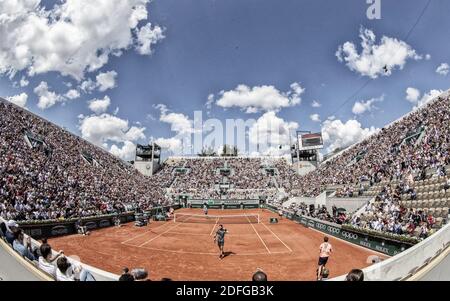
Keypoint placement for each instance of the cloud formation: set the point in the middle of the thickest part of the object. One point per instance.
(73, 36)
(376, 60)
(360, 107)
(99, 106)
(19, 100)
(337, 134)
(260, 98)
(443, 69)
(415, 97)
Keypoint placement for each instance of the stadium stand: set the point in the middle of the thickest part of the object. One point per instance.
(47, 173)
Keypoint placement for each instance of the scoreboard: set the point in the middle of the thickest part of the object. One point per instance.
(310, 141)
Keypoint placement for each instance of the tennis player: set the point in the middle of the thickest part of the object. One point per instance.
(219, 237)
(205, 209)
(325, 250)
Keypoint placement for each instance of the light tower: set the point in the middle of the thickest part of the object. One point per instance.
(148, 158)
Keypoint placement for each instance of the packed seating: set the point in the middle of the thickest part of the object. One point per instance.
(48, 173)
(391, 154)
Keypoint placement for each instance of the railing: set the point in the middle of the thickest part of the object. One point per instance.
(407, 263)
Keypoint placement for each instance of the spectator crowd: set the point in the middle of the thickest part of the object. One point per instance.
(48, 173)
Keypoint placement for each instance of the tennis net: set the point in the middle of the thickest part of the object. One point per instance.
(216, 219)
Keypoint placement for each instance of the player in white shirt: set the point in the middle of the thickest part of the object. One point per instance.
(325, 251)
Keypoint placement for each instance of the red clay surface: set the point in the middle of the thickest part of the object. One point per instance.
(186, 251)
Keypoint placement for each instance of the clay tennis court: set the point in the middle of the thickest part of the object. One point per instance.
(186, 251)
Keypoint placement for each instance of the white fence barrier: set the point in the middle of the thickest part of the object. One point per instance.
(409, 261)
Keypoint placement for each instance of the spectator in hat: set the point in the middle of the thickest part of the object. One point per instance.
(9, 235)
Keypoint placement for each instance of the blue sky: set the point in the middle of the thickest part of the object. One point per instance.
(211, 46)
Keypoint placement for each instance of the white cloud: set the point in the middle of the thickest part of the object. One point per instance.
(127, 152)
(24, 82)
(362, 106)
(72, 37)
(260, 98)
(103, 81)
(148, 36)
(99, 106)
(88, 85)
(443, 69)
(72, 94)
(316, 104)
(373, 59)
(315, 117)
(104, 128)
(135, 133)
(106, 80)
(270, 132)
(413, 95)
(179, 123)
(428, 57)
(171, 144)
(337, 134)
(47, 98)
(19, 100)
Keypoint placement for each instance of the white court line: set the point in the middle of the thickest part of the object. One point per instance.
(277, 237)
(203, 234)
(202, 253)
(258, 234)
(142, 234)
(214, 227)
(161, 234)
